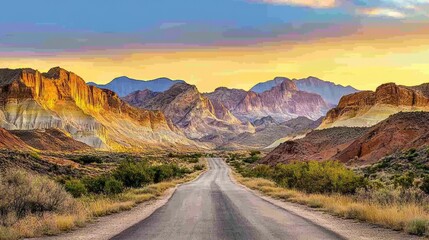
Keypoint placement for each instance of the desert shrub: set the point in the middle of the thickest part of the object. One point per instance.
(417, 227)
(95, 184)
(87, 159)
(411, 154)
(425, 185)
(113, 186)
(75, 187)
(405, 180)
(198, 167)
(133, 174)
(24, 193)
(163, 172)
(318, 177)
(193, 160)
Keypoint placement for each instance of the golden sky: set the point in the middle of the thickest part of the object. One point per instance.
(362, 63)
(232, 43)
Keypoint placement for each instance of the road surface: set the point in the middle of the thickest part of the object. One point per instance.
(214, 207)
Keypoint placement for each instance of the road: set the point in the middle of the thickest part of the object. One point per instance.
(214, 207)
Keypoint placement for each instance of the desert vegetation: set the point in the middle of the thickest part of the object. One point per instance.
(391, 193)
(34, 204)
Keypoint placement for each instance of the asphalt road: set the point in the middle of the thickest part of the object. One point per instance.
(214, 207)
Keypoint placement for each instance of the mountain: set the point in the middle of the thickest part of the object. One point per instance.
(124, 85)
(265, 86)
(98, 117)
(316, 145)
(402, 131)
(329, 91)
(368, 108)
(192, 112)
(282, 102)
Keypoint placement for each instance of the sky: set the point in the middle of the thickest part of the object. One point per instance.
(212, 43)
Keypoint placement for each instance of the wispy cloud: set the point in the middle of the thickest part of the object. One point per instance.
(382, 12)
(305, 3)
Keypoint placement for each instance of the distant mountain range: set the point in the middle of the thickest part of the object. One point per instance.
(125, 85)
(329, 91)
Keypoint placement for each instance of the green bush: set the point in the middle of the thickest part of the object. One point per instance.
(318, 177)
(417, 227)
(87, 159)
(113, 186)
(163, 172)
(193, 160)
(96, 184)
(198, 167)
(133, 174)
(75, 187)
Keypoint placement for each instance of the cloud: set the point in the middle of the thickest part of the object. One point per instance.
(305, 3)
(382, 12)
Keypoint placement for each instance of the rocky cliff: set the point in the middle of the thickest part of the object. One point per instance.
(368, 108)
(98, 117)
(282, 102)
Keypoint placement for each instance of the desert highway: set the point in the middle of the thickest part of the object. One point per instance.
(214, 207)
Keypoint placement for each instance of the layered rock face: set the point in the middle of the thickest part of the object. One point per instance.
(369, 108)
(125, 85)
(98, 117)
(282, 102)
(192, 112)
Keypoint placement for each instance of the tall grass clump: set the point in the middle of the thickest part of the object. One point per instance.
(33, 205)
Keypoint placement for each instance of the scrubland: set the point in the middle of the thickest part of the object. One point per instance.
(34, 204)
(399, 202)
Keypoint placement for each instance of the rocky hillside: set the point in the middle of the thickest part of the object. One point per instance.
(49, 140)
(268, 132)
(316, 145)
(398, 133)
(98, 117)
(192, 112)
(10, 141)
(369, 108)
(125, 85)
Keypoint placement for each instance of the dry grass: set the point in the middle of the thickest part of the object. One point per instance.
(412, 218)
(84, 210)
